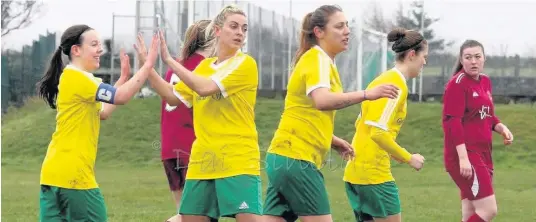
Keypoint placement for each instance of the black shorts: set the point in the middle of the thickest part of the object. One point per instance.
(176, 173)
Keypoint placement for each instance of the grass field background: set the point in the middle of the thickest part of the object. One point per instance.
(133, 182)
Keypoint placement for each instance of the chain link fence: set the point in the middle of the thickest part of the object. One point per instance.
(272, 39)
(22, 69)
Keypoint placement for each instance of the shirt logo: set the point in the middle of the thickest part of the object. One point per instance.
(475, 94)
(484, 112)
(243, 206)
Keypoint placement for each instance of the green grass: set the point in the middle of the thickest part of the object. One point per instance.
(133, 182)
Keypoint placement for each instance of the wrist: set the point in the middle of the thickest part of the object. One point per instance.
(499, 127)
(168, 60)
(365, 95)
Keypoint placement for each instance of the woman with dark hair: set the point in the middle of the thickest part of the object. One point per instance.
(370, 186)
(304, 136)
(468, 122)
(69, 191)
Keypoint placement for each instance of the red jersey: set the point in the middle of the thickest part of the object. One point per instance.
(177, 128)
(468, 116)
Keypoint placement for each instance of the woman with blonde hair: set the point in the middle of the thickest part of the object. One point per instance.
(176, 126)
(223, 178)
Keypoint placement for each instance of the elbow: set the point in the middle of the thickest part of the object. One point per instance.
(172, 101)
(322, 106)
(121, 98)
(204, 92)
(378, 135)
(104, 116)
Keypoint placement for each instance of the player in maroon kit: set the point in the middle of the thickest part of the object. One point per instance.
(468, 122)
(176, 126)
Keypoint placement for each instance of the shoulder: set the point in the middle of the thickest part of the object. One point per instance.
(457, 82)
(390, 76)
(73, 74)
(245, 61)
(485, 77)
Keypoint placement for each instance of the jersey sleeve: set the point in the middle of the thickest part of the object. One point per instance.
(184, 93)
(241, 74)
(453, 112)
(381, 112)
(90, 89)
(381, 115)
(317, 73)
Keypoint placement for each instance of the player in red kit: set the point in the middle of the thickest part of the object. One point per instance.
(176, 126)
(468, 123)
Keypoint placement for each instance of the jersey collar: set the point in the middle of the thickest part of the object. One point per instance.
(400, 73)
(73, 67)
(222, 63)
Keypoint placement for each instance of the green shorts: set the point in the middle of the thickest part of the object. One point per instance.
(225, 197)
(60, 204)
(373, 201)
(296, 188)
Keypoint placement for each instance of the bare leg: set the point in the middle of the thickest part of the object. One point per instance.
(392, 218)
(486, 207)
(322, 218)
(194, 218)
(177, 195)
(248, 218)
(467, 209)
(270, 218)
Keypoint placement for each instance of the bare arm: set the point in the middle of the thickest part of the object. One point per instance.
(163, 88)
(202, 86)
(107, 108)
(327, 100)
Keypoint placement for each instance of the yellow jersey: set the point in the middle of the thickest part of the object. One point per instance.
(379, 120)
(226, 141)
(70, 158)
(305, 132)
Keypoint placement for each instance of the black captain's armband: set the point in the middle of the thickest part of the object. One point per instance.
(106, 93)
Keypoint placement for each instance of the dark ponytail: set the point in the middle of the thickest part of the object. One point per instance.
(319, 18)
(467, 44)
(48, 85)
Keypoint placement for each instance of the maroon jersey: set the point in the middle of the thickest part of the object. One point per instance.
(468, 117)
(177, 128)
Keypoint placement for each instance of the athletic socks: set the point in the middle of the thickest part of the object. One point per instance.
(475, 218)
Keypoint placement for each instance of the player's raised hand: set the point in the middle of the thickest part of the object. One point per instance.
(153, 52)
(125, 65)
(164, 52)
(382, 91)
(140, 48)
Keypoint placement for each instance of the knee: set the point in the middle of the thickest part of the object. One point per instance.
(488, 213)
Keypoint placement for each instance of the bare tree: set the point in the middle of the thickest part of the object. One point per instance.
(18, 14)
(375, 19)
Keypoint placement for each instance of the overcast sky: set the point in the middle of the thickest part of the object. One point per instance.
(496, 23)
